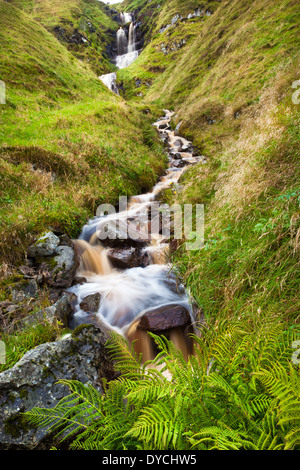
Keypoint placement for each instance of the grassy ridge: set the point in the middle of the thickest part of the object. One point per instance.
(231, 87)
(67, 142)
(89, 18)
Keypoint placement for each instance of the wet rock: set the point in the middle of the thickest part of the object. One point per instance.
(163, 126)
(178, 163)
(44, 246)
(127, 258)
(164, 318)
(176, 156)
(32, 382)
(123, 234)
(91, 303)
(79, 280)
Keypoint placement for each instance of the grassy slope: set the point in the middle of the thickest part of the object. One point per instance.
(76, 14)
(67, 142)
(237, 70)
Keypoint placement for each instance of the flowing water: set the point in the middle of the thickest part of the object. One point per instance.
(127, 294)
(126, 50)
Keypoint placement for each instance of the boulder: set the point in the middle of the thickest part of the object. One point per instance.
(125, 258)
(165, 318)
(122, 234)
(91, 303)
(59, 270)
(32, 382)
(62, 310)
(45, 245)
(23, 290)
(178, 163)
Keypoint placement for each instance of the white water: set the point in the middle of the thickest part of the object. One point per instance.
(125, 17)
(131, 38)
(110, 80)
(122, 42)
(126, 51)
(127, 294)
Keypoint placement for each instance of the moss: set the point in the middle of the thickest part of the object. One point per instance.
(78, 330)
(24, 393)
(16, 426)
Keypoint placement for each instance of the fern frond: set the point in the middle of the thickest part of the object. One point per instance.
(73, 414)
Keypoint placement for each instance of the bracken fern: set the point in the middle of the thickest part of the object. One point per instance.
(240, 390)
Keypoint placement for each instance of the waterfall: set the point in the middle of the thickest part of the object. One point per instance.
(122, 43)
(125, 17)
(131, 38)
(126, 50)
(129, 293)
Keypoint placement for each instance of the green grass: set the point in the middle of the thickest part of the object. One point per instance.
(67, 144)
(236, 69)
(77, 14)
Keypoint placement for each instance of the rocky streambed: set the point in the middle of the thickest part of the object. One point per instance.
(126, 285)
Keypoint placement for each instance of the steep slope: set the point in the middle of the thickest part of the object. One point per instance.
(228, 74)
(85, 27)
(66, 140)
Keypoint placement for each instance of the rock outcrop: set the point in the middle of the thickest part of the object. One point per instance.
(32, 382)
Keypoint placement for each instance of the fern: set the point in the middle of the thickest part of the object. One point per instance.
(238, 391)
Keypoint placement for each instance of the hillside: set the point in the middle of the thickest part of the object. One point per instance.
(85, 27)
(66, 140)
(225, 75)
(230, 85)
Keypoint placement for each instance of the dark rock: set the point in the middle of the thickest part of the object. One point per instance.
(79, 280)
(188, 148)
(65, 240)
(127, 258)
(91, 303)
(33, 382)
(176, 156)
(165, 318)
(78, 38)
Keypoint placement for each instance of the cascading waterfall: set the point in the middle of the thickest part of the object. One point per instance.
(131, 38)
(125, 17)
(128, 294)
(126, 50)
(122, 42)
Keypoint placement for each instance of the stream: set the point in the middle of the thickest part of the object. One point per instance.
(124, 255)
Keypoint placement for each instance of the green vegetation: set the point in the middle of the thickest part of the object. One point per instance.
(239, 391)
(18, 343)
(68, 145)
(88, 18)
(66, 140)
